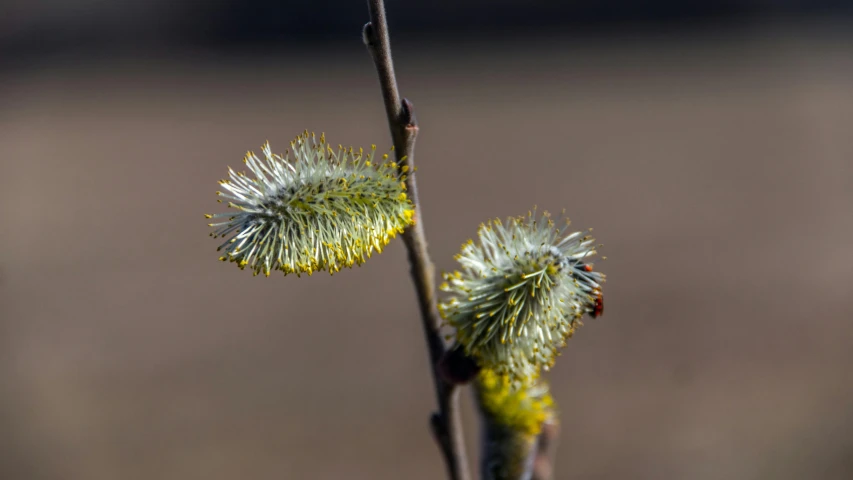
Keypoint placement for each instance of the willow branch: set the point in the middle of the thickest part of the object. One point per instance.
(445, 422)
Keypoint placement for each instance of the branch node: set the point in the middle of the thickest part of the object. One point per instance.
(436, 425)
(367, 34)
(456, 367)
(408, 115)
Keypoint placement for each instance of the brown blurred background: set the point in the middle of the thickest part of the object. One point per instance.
(710, 147)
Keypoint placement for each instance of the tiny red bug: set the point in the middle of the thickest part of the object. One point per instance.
(599, 305)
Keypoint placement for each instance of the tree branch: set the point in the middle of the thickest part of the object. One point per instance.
(445, 422)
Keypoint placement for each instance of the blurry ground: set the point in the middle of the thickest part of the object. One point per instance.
(718, 174)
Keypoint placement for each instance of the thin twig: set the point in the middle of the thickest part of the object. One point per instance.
(404, 129)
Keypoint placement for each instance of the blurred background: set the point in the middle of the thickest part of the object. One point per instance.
(708, 143)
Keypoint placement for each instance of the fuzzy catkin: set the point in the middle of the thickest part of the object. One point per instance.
(521, 293)
(323, 209)
(513, 419)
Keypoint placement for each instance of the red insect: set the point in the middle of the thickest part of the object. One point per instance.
(599, 305)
